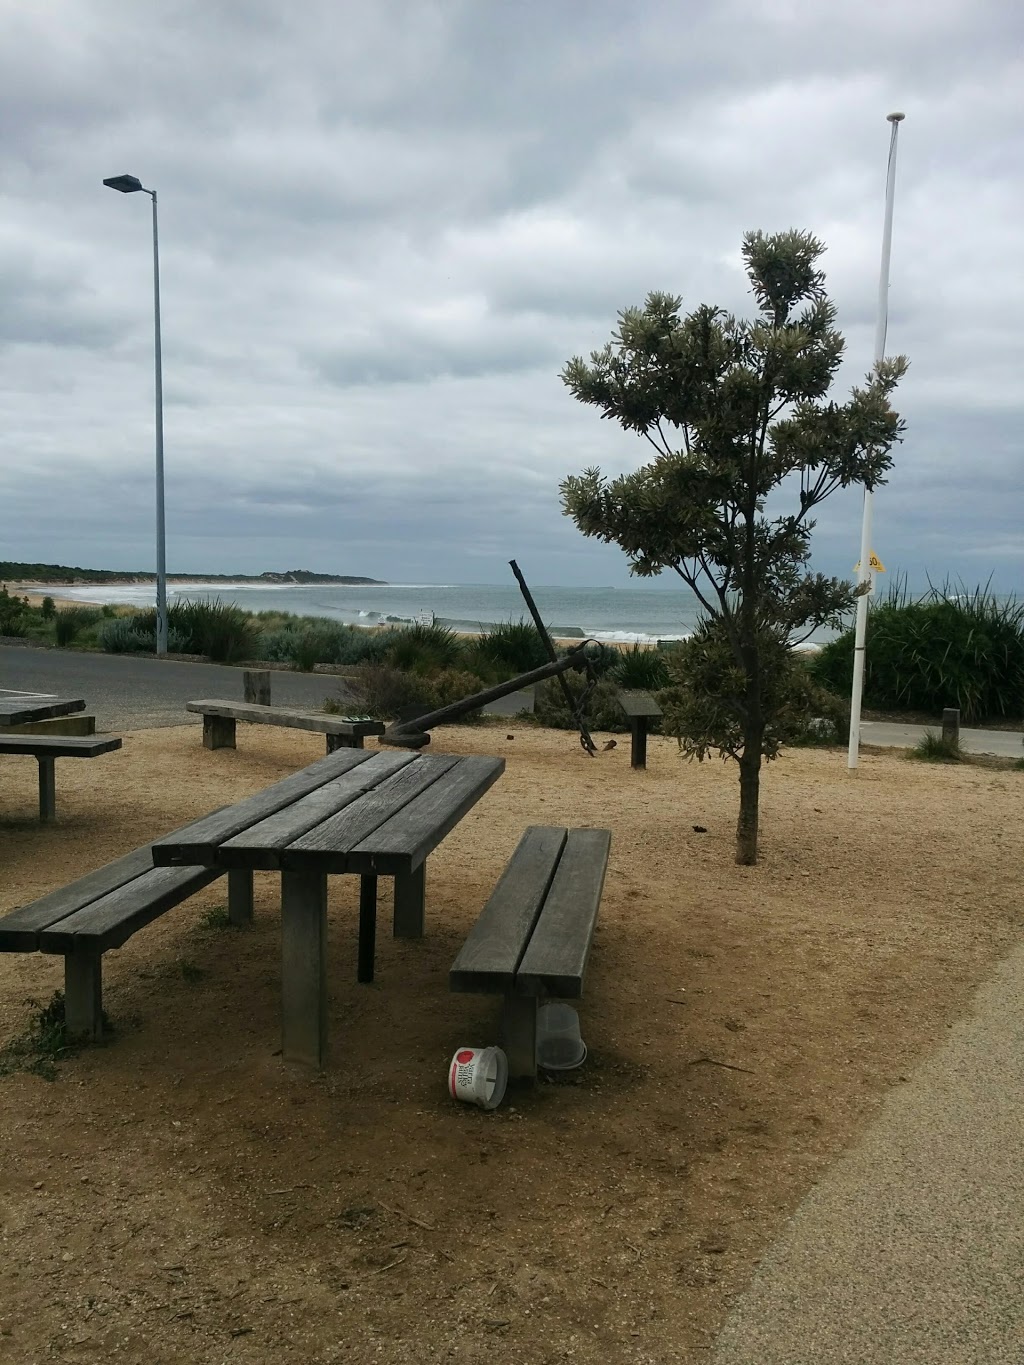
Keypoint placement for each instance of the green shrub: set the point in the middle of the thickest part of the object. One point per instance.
(944, 649)
(506, 650)
(641, 669)
(48, 608)
(933, 748)
(424, 649)
(68, 622)
(122, 636)
(601, 709)
(452, 685)
(389, 694)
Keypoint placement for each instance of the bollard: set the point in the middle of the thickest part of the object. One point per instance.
(951, 726)
(257, 686)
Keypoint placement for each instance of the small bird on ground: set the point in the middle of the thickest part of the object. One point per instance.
(609, 745)
(510, 736)
(699, 829)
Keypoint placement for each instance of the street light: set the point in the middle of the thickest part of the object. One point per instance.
(130, 184)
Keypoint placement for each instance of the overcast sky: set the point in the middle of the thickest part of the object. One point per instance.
(384, 228)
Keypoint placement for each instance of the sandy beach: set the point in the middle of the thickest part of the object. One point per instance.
(181, 1188)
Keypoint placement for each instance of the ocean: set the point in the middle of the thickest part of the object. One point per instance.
(643, 615)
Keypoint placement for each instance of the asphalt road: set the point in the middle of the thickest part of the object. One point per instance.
(126, 692)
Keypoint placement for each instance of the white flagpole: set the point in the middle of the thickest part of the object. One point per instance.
(865, 574)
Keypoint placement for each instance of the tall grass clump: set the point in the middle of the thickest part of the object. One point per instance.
(640, 669)
(122, 636)
(963, 649)
(933, 748)
(69, 622)
(506, 650)
(424, 649)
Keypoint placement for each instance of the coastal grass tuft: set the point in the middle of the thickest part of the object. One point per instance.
(933, 748)
(44, 1042)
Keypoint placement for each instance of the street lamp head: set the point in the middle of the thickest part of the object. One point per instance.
(127, 184)
(895, 118)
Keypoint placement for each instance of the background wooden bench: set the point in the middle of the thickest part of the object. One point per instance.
(221, 717)
(47, 748)
(533, 936)
(101, 911)
(640, 709)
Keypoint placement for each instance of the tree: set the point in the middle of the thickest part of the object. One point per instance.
(737, 411)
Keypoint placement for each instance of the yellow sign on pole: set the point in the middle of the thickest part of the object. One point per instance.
(874, 563)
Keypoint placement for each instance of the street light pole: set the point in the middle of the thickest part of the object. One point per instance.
(866, 576)
(130, 184)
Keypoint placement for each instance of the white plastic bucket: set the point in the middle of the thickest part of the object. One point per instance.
(478, 1075)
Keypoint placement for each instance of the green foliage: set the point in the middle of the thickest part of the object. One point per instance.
(387, 693)
(705, 703)
(932, 748)
(506, 650)
(44, 1042)
(216, 918)
(424, 649)
(68, 622)
(122, 636)
(943, 649)
(734, 409)
(14, 614)
(601, 707)
(48, 608)
(641, 669)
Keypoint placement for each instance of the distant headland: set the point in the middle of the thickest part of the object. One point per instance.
(62, 575)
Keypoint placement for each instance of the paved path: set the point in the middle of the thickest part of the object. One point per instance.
(126, 692)
(1005, 743)
(911, 1249)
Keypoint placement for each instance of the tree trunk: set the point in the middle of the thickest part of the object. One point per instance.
(750, 785)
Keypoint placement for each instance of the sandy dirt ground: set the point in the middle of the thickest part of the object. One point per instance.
(180, 1195)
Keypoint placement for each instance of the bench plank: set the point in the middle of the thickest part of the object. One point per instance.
(19, 928)
(198, 842)
(19, 710)
(111, 920)
(59, 746)
(401, 843)
(340, 834)
(271, 835)
(496, 943)
(254, 713)
(555, 961)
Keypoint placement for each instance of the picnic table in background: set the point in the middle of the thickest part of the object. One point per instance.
(21, 709)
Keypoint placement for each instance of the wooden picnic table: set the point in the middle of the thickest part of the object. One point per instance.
(357, 812)
(22, 709)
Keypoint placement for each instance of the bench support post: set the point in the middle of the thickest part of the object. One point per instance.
(638, 748)
(47, 789)
(519, 1034)
(218, 732)
(239, 896)
(304, 967)
(367, 926)
(410, 903)
(83, 995)
(343, 742)
(256, 686)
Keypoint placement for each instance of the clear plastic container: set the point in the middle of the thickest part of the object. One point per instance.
(559, 1045)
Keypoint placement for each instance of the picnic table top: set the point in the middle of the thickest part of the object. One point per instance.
(353, 811)
(21, 708)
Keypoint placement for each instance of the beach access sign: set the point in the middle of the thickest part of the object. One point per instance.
(874, 563)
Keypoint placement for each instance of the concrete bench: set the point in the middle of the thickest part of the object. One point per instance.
(533, 936)
(640, 709)
(221, 717)
(101, 911)
(46, 749)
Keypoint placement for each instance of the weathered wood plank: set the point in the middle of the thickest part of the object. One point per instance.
(198, 843)
(329, 844)
(83, 995)
(409, 919)
(636, 703)
(556, 959)
(260, 845)
(401, 843)
(18, 710)
(19, 929)
(304, 967)
(488, 959)
(519, 1035)
(254, 714)
(59, 746)
(111, 920)
(240, 897)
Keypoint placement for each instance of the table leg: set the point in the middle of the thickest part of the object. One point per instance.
(367, 926)
(519, 1034)
(218, 732)
(239, 896)
(638, 749)
(83, 994)
(304, 967)
(410, 903)
(47, 789)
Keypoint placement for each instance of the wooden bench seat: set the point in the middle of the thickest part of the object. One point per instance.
(47, 748)
(639, 708)
(221, 717)
(101, 911)
(533, 936)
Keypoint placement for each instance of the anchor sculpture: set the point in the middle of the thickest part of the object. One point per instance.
(413, 733)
